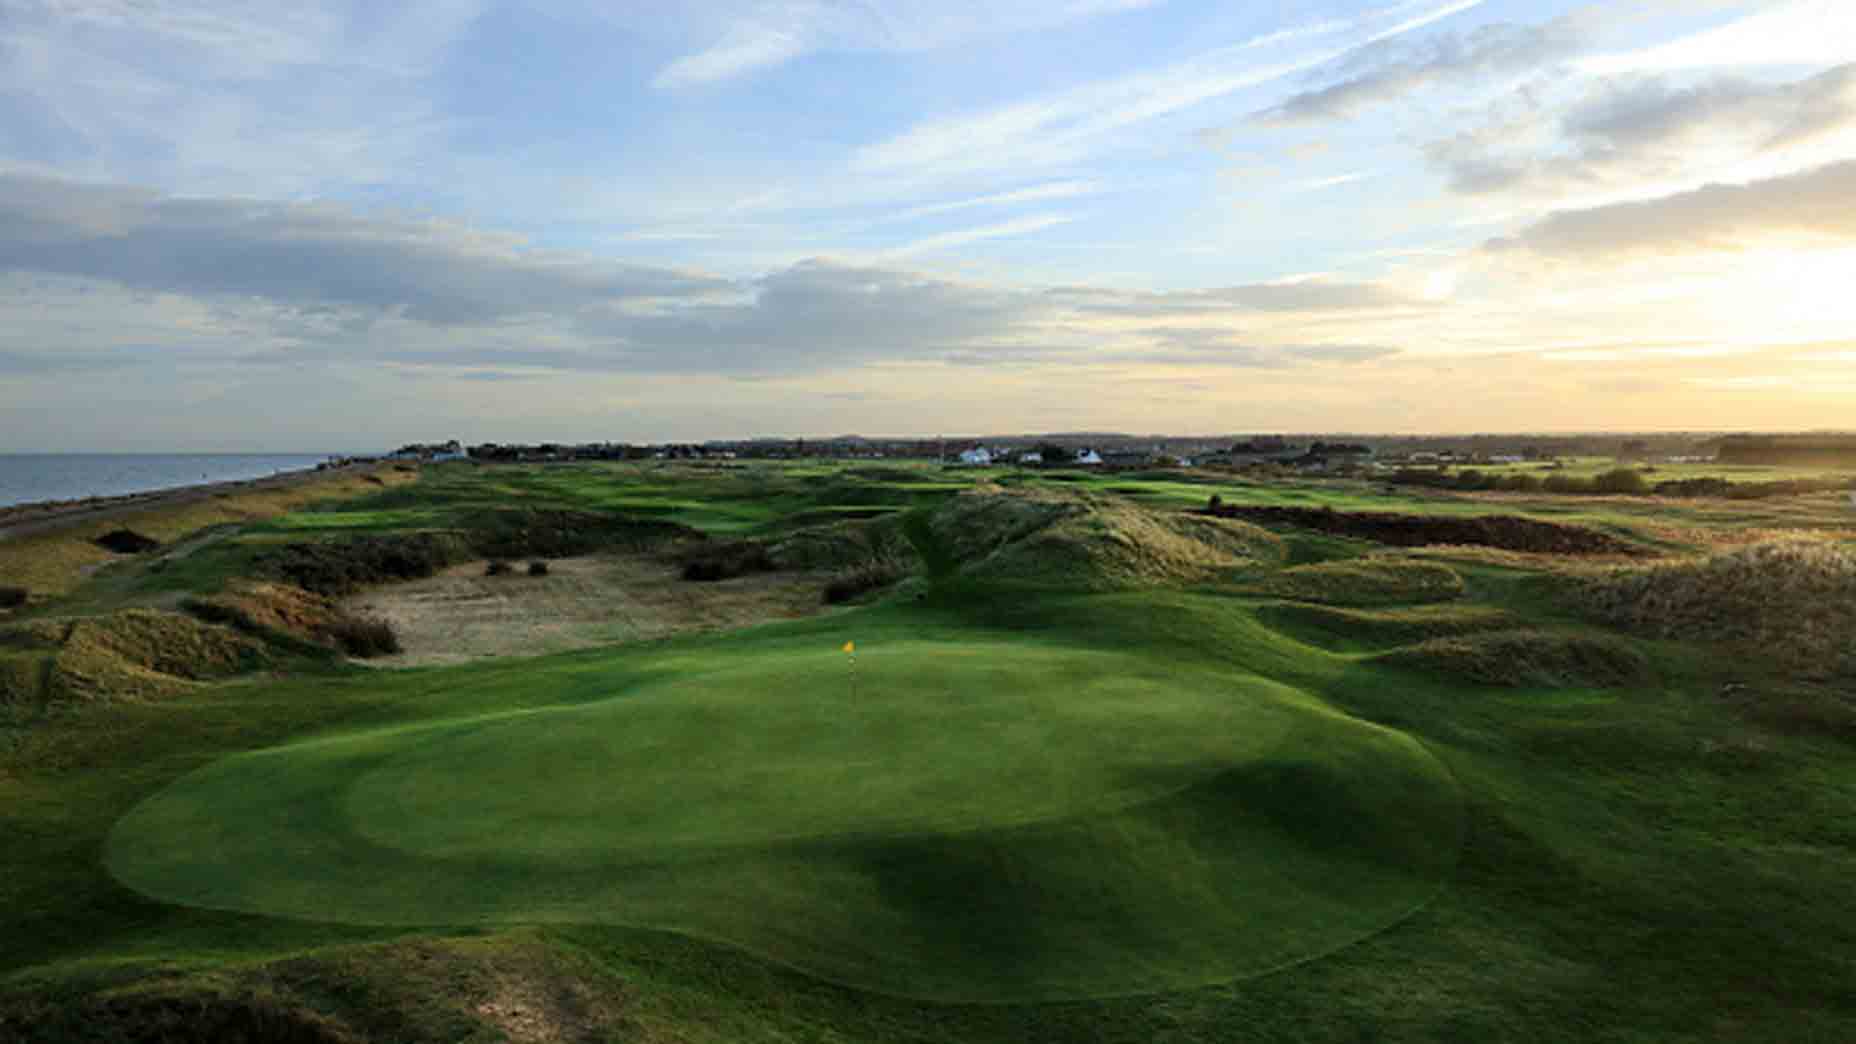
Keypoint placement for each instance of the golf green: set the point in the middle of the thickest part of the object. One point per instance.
(987, 821)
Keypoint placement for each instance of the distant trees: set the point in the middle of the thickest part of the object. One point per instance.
(1051, 453)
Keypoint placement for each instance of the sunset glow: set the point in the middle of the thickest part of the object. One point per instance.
(317, 227)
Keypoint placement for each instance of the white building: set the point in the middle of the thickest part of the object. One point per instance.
(1088, 456)
(978, 458)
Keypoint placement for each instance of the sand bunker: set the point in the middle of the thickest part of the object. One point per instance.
(461, 614)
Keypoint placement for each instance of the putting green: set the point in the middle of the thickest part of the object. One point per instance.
(985, 821)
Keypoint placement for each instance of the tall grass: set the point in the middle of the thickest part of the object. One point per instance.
(1793, 598)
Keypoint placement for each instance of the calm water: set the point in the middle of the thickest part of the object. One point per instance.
(26, 478)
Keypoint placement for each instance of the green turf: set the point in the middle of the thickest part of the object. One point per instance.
(1659, 859)
(986, 821)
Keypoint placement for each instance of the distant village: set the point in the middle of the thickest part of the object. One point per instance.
(1308, 453)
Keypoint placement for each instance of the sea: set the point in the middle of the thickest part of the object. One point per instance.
(28, 478)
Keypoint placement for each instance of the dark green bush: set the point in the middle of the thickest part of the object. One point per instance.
(497, 567)
(723, 560)
(563, 534)
(336, 568)
(866, 576)
(1622, 481)
(538, 568)
(13, 597)
(365, 636)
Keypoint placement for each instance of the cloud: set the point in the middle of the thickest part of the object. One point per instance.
(1282, 297)
(743, 50)
(1801, 32)
(1062, 126)
(1223, 352)
(1818, 205)
(307, 255)
(1647, 129)
(1032, 194)
(1015, 227)
(819, 314)
(1393, 68)
(1316, 184)
(1650, 113)
(226, 97)
(761, 35)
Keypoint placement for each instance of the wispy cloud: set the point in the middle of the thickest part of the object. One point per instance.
(743, 50)
(1016, 227)
(759, 35)
(1394, 70)
(1317, 184)
(1033, 194)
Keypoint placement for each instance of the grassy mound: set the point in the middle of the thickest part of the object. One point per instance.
(1088, 541)
(973, 821)
(1519, 659)
(1793, 599)
(509, 988)
(1373, 580)
(864, 556)
(1504, 532)
(559, 533)
(285, 613)
(1336, 627)
(341, 567)
(845, 545)
(128, 655)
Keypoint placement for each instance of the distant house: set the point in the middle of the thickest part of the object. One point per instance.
(978, 457)
(1088, 456)
(1031, 457)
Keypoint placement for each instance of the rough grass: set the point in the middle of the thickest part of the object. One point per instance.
(284, 614)
(724, 560)
(1525, 659)
(1338, 627)
(515, 988)
(1792, 599)
(1091, 541)
(340, 567)
(871, 574)
(1372, 580)
(845, 545)
(129, 655)
(54, 563)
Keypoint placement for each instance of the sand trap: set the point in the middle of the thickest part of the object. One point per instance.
(461, 614)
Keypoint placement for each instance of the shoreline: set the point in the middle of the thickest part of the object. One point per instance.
(20, 520)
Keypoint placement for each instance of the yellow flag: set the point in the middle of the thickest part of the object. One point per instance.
(850, 647)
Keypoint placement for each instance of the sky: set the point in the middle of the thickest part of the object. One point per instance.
(345, 226)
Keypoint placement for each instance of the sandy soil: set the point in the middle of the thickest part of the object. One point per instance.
(462, 615)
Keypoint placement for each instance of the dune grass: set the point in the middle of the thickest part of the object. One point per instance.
(1344, 629)
(1527, 658)
(1793, 599)
(1370, 580)
(56, 563)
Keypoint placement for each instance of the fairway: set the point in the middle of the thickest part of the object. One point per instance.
(984, 821)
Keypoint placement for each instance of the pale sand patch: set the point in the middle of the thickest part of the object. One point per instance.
(461, 614)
